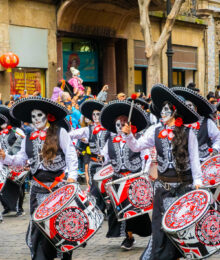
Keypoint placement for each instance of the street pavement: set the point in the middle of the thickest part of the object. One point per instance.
(13, 246)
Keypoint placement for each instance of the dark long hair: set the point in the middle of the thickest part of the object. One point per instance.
(179, 144)
(50, 146)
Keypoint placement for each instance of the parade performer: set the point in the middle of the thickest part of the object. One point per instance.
(10, 140)
(205, 129)
(178, 163)
(124, 162)
(49, 152)
(96, 136)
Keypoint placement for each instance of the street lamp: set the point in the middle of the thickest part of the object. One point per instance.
(169, 53)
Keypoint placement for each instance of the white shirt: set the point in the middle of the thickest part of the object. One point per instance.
(148, 140)
(66, 145)
(214, 134)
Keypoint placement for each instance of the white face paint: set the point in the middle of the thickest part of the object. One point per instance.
(3, 126)
(39, 119)
(166, 113)
(119, 123)
(95, 116)
(190, 104)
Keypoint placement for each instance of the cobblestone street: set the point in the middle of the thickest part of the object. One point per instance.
(13, 246)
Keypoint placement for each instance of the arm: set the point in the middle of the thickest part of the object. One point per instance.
(19, 159)
(214, 134)
(146, 163)
(145, 142)
(194, 159)
(104, 153)
(80, 133)
(70, 154)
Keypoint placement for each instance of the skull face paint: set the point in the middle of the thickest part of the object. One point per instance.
(190, 104)
(39, 118)
(95, 116)
(166, 113)
(3, 126)
(119, 123)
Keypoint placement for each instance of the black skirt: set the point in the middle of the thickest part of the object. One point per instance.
(160, 246)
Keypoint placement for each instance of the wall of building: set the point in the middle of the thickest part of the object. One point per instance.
(29, 14)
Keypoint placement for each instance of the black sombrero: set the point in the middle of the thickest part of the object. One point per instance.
(3, 120)
(64, 124)
(160, 93)
(23, 107)
(154, 110)
(204, 108)
(88, 106)
(5, 111)
(140, 101)
(117, 108)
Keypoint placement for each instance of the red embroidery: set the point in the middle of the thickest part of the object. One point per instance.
(194, 125)
(6, 130)
(41, 134)
(118, 139)
(97, 129)
(166, 133)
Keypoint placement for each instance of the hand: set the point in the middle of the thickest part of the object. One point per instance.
(2, 154)
(70, 180)
(197, 187)
(105, 88)
(126, 129)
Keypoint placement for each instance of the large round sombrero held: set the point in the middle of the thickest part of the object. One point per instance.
(204, 108)
(118, 108)
(140, 101)
(160, 94)
(22, 108)
(5, 112)
(88, 106)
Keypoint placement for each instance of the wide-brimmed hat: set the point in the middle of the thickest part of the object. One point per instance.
(118, 108)
(88, 106)
(154, 110)
(64, 124)
(5, 112)
(22, 108)
(140, 101)
(204, 108)
(160, 94)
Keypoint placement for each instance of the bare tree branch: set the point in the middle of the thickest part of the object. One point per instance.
(168, 25)
(146, 26)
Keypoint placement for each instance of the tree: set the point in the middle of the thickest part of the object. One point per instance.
(153, 50)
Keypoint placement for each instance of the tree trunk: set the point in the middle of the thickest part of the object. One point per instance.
(153, 70)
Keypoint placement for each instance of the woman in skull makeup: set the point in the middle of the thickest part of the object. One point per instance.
(10, 140)
(124, 162)
(96, 136)
(178, 163)
(49, 152)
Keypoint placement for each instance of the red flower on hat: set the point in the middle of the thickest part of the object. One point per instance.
(133, 129)
(51, 118)
(9, 127)
(174, 108)
(57, 179)
(179, 122)
(133, 96)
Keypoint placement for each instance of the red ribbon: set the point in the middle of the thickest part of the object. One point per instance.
(194, 125)
(97, 129)
(166, 133)
(118, 139)
(41, 134)
(6, 130)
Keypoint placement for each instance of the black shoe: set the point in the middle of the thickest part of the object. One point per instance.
(128, 243)
(20, 213)
(5, 211)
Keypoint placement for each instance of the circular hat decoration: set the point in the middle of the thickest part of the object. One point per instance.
(118, 108)
(160, 94)
(5, 111)
(140, 101)
(22, 108)
(88, 106)
(204, 108)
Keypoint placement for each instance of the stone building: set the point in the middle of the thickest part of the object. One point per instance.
(103, 39)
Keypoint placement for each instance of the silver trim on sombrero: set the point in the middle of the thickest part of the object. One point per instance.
(4, 118)
(196, 95)
(124, 102)
(46, 100)
(176, 97)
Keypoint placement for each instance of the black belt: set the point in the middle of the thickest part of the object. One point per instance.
(182, 179)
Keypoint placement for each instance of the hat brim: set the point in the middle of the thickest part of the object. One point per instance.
(117, 108)
(154, 110)
(3, 119)
(88, 106)
(22, 108)
(64, 124)
(160, 94)
(140, 101)
(5, 111)
(204, 108)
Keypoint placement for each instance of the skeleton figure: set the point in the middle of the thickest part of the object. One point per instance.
(119, 123)
(95, 116)
(39, 119)
(166, 113)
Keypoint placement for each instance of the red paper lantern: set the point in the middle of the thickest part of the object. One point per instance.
(9, 60)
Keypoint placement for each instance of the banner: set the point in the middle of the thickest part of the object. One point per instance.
(85, 62)
(30, 80)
